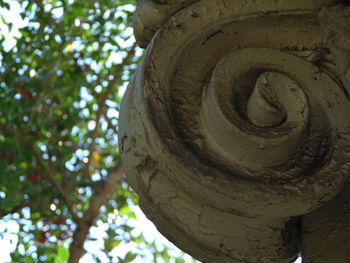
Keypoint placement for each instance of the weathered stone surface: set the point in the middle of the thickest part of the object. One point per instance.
(235, 125)
(335, 21)
(152, 14)
(326, 231)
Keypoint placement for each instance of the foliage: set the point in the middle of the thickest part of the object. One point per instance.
(60, 91)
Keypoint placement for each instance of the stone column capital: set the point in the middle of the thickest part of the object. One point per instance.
(235, 130)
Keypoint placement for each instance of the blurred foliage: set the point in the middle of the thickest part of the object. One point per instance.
(60, 91)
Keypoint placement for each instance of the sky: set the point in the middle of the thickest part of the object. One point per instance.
(9, 228)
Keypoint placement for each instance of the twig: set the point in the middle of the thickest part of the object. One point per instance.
(13, 210)
(101, 105)
(110, 124)
(46, 167)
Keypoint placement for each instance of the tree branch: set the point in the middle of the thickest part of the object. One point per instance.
(12, 211)
(101, 197)
(46, 167)
(101, 104)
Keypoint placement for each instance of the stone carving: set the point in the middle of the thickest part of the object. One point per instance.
(152, 14)
(326, 231)
(235, 130)
(335, 21)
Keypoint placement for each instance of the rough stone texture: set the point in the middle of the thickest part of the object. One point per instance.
(152, 14)
(326, 231)
(335, 21)
(236, 124)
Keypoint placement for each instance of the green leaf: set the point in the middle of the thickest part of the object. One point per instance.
(62, 254)
(129, 257)
(3, 4)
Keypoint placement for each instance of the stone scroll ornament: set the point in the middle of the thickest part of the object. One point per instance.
(235, 130)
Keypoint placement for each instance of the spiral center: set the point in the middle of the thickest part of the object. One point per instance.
(264, 108)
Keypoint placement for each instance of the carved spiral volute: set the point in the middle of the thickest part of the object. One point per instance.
(234, 126)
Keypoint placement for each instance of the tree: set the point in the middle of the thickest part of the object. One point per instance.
(61, 86)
